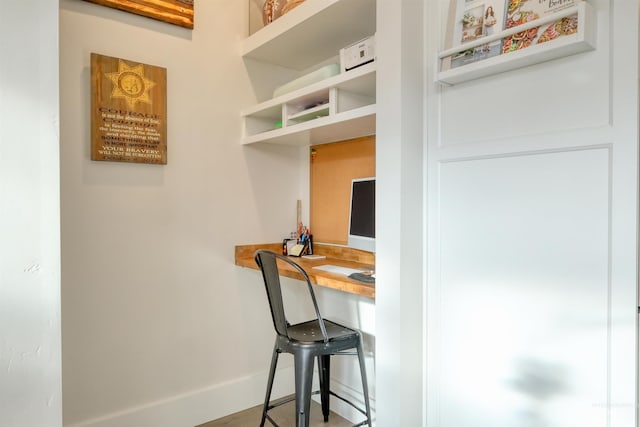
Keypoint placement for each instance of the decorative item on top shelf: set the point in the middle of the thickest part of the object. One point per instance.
(489, 36)
(273, 9)
(290, 5)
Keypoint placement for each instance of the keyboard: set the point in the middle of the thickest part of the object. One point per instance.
(363, 277)
(336, 269)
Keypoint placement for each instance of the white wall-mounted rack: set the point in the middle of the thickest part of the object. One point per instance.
(581, 41)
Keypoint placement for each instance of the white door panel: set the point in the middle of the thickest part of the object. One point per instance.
(524, 290)
(532, 225)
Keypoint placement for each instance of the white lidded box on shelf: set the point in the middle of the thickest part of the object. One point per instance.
(308, 79)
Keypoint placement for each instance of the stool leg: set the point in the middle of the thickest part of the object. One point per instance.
(324, 370)
(303, 361)
(365, 387)
(272, 373)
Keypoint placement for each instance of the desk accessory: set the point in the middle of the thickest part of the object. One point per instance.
(363, 277)
(298, 250)
(303, 246)
(337, 269)
(287, 245)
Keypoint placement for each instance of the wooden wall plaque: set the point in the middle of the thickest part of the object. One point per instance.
(178, 12)
(128, 111)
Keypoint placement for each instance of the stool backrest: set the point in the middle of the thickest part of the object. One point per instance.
(268, 263)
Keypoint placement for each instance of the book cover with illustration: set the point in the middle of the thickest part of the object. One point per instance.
(472, 21)
(519, 12)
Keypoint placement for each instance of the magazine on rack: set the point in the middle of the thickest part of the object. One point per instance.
(522, 11)
(473, 20)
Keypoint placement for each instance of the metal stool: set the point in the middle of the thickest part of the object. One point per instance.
(318, 338)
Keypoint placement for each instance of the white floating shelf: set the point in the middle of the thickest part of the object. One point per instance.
(347, 111)
(349, 124)
(583, 40)
(312, 32)
(361, 80)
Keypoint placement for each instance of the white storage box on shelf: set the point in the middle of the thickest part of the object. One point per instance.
(308, 79)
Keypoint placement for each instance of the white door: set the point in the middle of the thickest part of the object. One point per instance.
(532, 224)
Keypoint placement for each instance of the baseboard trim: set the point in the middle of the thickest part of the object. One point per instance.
(198, 407)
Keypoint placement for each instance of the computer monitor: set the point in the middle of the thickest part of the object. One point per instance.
(362, 215)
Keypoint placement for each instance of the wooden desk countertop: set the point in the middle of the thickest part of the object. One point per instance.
(335, 255)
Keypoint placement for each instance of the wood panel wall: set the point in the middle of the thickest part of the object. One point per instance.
(332, 167)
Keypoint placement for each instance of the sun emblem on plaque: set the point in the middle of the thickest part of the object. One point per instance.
(130, 83)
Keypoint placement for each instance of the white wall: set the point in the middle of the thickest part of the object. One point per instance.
(159, 326)
(30, 389)
(146, 289)
(532, 250)
(400, 263)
